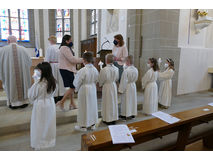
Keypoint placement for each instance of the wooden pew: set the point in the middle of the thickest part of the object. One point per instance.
(151, 129)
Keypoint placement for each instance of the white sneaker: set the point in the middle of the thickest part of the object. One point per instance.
(78, 128)
(93, 127)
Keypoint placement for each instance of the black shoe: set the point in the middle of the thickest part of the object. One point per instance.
(23, 106)
(110, 123)
(132, 116)
(121, 116)
(104, 122)
(56, 99)
(13, 107)
(113, 123)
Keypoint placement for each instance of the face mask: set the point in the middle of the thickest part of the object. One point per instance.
(36, 75)
(70, 44)
(166, 65)
(125, 66)
(115, 42)
(148, 65)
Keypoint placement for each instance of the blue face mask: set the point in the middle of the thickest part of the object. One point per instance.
(70, 44)
(115, 42)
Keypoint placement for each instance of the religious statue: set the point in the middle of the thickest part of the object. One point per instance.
(202, 21)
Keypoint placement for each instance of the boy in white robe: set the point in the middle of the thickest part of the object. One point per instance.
(165, 89)
(128, 89)
(43, 120)
(51, 56)
(85, 84)
(107, 78)
(150, 104)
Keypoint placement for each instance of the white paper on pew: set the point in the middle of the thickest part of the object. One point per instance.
(210, 104)
(166, 117)
(120, 134)
(133, 130)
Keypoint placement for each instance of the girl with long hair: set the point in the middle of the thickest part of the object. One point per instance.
(165, 89)
(43, 120)
(150, 104)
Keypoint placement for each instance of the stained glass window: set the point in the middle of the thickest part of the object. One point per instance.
(59, 37)
(23, 13)
(66, 13)
(93, 22)
(16, 34)
(25, 35)
(4, 22)
(59, 25)
(67, 24)
(4, 33)
(62, 23)
(14, 22)
(13, 13)
(58, 13)
(4, 12)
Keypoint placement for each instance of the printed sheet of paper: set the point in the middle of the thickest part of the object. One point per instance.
(210, 104)
(120, 134)
(166, 117)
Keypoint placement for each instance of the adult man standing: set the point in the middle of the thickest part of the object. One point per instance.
(52, 56)
(15, 66)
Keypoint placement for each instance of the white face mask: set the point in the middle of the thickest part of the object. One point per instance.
(36, 75)
(125, 66)
(166, 65)
(148, 65)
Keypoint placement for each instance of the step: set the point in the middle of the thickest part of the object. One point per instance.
(12, 121)
(3, 98)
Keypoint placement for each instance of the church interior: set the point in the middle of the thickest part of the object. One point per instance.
(183, 35)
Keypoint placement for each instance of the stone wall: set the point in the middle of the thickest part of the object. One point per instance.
(160, 39)
(134, 39)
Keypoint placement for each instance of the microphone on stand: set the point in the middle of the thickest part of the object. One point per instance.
(107, 41)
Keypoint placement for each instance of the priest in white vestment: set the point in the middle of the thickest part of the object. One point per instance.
(107, 78)
(128, 89)
(15, 65)
(51, 56)
(85, 84)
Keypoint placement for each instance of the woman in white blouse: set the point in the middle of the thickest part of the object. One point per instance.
(120, 52)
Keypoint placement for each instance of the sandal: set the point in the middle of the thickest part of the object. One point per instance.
(60, 106)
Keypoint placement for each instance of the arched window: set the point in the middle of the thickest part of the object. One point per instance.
(63, 23)
(93, 22)
(14, 22)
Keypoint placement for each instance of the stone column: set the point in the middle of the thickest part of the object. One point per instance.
(134, 34)
(160, 38)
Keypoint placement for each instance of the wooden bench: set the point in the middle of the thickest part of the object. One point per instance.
(155, 128)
